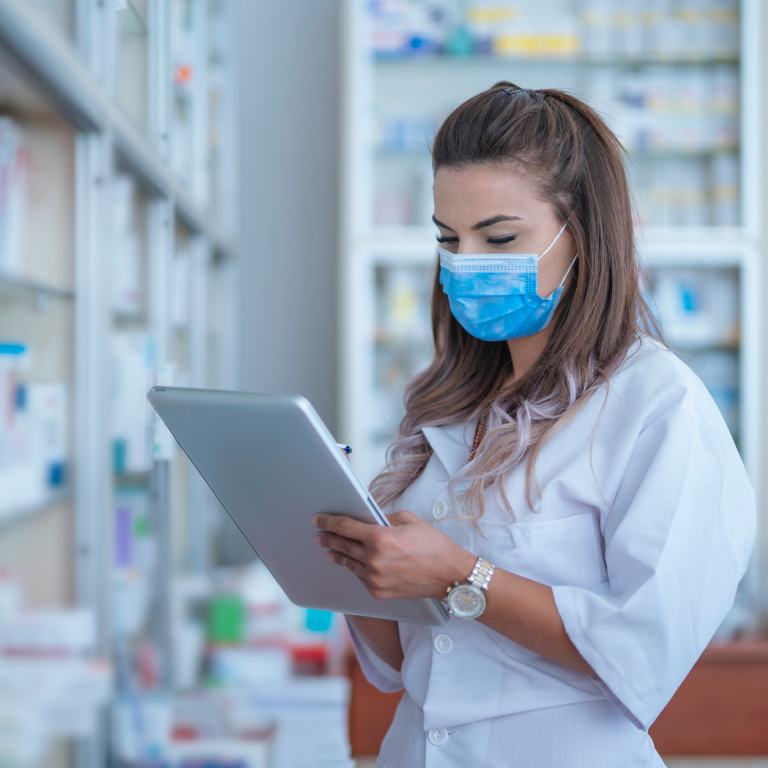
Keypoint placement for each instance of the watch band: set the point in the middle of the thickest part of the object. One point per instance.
(481, 573)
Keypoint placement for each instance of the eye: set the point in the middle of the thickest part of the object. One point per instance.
(502, 240)
(441, 239)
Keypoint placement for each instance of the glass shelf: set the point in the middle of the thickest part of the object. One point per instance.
(478, 60)
(11, 285)
(11, 517)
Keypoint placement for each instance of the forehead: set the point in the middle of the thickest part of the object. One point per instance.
(474, 192)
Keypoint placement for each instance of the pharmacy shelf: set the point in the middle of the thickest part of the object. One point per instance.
(479, 60)
(58, 73)
(14, 517)
(78, 293)
(19, 285)
(389, 107)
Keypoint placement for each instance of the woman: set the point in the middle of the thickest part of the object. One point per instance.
(561, 479)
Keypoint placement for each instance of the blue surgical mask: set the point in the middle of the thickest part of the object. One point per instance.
(495, 296)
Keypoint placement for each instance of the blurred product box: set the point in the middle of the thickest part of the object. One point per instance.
(221, 753)
(539, 37)
(141, 725)
(290, 723)
(33, 433)
(661, 30)
(669, 88)
(132, 377)
(50, 687)
(698, 308)
(134, 559)
(48, 633)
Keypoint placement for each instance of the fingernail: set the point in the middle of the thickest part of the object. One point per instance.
(329, 555)
(317, 538)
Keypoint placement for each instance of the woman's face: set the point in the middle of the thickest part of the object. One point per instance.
(494, 209)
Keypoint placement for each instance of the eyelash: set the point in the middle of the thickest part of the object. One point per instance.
(491, 240)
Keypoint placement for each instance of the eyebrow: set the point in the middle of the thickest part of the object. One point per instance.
(480, 224)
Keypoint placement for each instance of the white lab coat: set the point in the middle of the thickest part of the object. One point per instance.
(644, 529)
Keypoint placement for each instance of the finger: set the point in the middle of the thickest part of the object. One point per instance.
(345, 526)
(352, 565)
(340, 544)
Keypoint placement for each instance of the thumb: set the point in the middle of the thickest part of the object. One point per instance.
(403, 517)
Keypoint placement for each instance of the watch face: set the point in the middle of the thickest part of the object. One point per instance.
(466, 601)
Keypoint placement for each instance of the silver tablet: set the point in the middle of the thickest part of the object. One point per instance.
(272, 464)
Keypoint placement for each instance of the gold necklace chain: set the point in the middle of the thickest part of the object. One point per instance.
(479, 435)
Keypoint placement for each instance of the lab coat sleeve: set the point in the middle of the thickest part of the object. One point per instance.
(377, 672)
(678, 538)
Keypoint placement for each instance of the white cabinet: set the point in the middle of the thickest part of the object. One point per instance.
(679, 82)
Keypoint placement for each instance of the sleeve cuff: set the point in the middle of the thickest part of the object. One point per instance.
(376, 671)
(610, 681)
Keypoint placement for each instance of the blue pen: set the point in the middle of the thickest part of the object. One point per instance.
(345, 448)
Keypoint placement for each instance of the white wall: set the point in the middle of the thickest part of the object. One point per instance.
(288, 130)
(289, 98)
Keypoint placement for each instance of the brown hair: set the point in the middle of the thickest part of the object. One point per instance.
(577, 165)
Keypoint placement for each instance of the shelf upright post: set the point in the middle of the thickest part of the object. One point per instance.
(197, 554)
(160, 609)
(91, 481)
(226, 206)
(356, 268)
(199, 180)
(751, 395)
(751, 369)
(160, 254)
(159, 85)
(759, 32)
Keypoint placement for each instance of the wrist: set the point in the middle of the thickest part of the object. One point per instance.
(457, 569)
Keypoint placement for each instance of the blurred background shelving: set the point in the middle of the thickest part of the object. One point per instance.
(668, 77)
(122, 259)
(109, 251)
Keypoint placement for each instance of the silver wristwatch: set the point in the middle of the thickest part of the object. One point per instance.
(467, 601)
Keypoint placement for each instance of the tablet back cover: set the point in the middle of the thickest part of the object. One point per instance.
(272, 464)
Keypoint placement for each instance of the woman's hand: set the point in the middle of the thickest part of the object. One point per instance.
(410, 558)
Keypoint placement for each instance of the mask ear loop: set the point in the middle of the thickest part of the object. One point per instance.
(551, 245)
(557, 237)
(568, 271)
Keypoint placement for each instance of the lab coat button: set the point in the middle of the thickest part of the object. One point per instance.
(443, 643)
(440, 510)
(438, 736)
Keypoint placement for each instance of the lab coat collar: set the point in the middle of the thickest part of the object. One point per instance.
(452, 443)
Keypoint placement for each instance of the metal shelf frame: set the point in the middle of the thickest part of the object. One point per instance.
(63, 77)
(74, 82)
